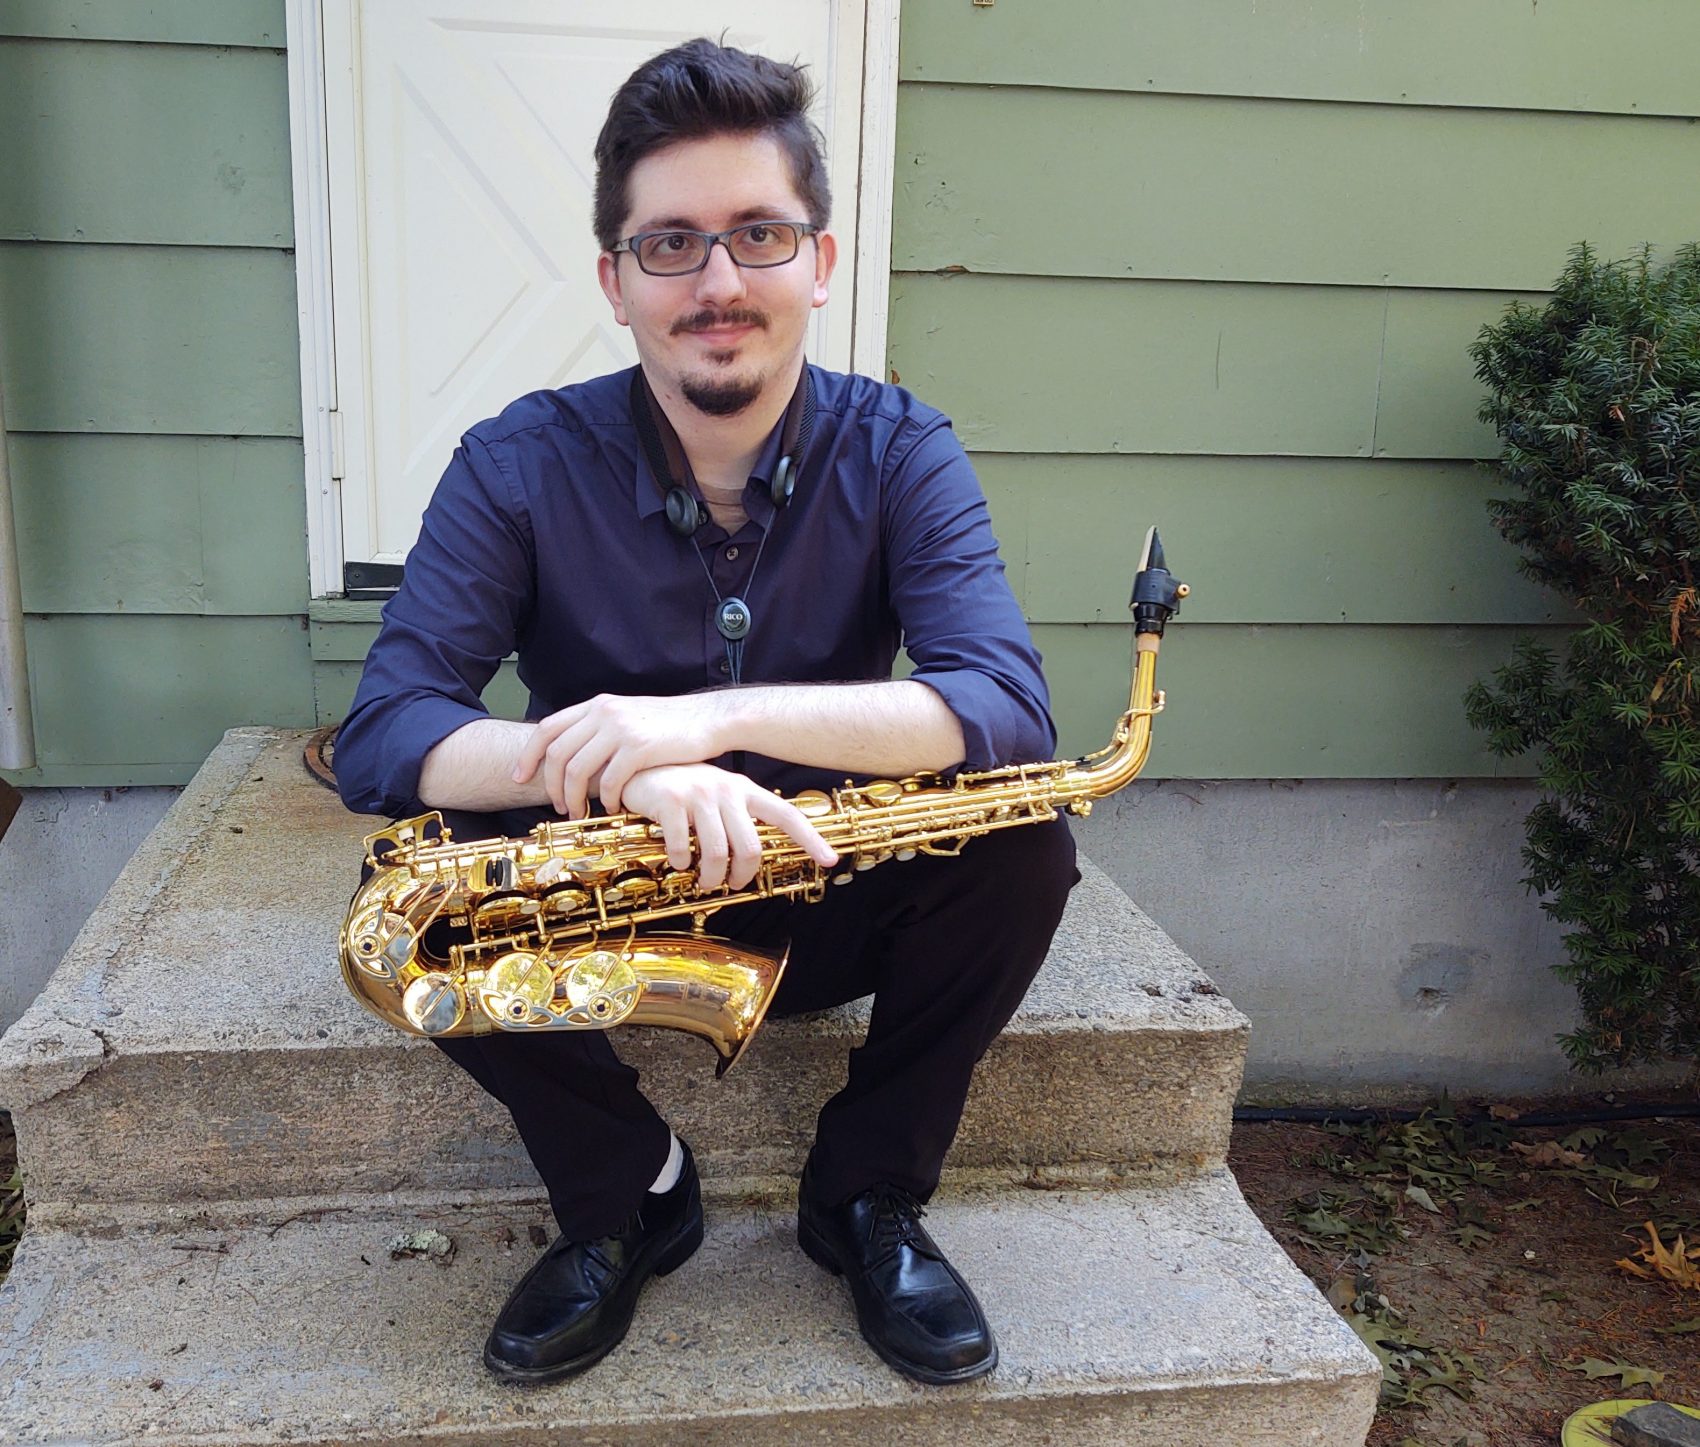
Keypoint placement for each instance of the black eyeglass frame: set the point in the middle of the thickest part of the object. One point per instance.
(629, 246)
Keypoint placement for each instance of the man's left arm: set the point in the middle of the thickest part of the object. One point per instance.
(889, 727)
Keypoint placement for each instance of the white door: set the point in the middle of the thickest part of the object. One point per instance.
(458, 145)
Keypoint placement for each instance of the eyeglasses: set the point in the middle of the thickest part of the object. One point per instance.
(679, 253)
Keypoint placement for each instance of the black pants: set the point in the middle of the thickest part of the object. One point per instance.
(946, 946)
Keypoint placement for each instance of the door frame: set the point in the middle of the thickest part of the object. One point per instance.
(322, 436)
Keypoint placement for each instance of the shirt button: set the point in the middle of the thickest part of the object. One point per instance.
(723, 667)
(732, 554)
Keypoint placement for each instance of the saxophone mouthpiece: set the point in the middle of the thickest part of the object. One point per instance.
(1156, 595)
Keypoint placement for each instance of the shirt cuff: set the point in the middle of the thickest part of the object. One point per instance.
(994, 731)
(384, 774)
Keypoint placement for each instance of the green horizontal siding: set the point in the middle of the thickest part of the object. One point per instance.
(1161, 186)
(149, 339)
(1259, 539)
(342, 641)
(132, 698)
(176, 22)
(144, 143)
(160, 524)
(1339, 701)
(335, 679)
(1028, 364)
(1563, 55)
(1247, 702)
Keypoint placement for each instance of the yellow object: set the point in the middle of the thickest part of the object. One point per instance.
(1591, 1427)
(553, 931)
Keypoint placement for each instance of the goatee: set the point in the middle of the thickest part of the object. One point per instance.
(723, 398)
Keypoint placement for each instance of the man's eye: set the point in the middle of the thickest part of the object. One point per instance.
(759, 235)
(675, 241)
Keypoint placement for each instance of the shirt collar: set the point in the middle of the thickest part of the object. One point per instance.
(758, 499)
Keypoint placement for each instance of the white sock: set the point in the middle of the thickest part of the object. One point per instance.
(669, 1176)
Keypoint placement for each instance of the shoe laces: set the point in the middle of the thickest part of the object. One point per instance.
(896, 1222)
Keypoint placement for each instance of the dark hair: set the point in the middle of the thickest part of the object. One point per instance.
(701, 89)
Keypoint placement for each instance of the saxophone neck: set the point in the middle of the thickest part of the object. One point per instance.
(1156, 598)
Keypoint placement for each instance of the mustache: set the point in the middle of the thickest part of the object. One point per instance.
(708, 320)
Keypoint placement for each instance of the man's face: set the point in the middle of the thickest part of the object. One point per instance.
(719, 336)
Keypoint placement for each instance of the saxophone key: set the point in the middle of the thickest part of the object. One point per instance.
(568, 899)
(402, 945)
(549, 871)
(634, 886)
(500, 872)
(516, 988)
(433, 1004)
(604, 985)
(492, 915)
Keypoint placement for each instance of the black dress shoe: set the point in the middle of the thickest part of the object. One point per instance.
(575, 1305)
(913, 1307)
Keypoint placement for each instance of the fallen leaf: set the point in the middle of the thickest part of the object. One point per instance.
(1549, 1153)
(1671, 1263)
(1504, 1112)
(1342, 1293)
(1422, 1198)
(1632, 1376)
(1639, 1148)
(1679, 1326)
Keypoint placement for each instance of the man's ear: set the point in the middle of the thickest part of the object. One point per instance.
(826, 257)
(608, 275)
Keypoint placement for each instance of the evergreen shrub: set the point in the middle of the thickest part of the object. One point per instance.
(1596, 399)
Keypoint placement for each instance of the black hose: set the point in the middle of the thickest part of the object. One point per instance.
(1357, 1115)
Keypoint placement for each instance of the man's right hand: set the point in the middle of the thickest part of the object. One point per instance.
(722, 809)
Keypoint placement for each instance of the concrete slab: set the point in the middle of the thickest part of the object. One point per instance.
(1140, 1317)
(197, 1043)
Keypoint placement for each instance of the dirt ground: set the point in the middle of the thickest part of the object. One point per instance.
(1500, 1311)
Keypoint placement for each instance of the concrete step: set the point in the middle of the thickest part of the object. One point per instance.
(197, 1043)
(1150, 1315)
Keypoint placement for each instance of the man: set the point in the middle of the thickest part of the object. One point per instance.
(694, 642)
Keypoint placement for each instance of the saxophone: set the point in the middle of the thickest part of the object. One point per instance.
(556, 931)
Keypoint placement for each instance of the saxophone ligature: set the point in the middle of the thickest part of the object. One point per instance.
(584, 924)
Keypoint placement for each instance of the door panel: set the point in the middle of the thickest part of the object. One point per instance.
(462, 251)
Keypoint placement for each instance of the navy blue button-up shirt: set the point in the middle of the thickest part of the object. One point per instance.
(547, 538)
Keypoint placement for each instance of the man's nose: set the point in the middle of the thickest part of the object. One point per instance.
(721, 277)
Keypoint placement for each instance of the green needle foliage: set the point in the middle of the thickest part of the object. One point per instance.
(1596, 398)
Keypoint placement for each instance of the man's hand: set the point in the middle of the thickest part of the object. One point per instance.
(596, 746)
(722, 809)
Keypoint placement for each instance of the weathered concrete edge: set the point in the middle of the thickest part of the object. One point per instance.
(1336, 1408)
(1102, 1125)
(60, 1039)
(772, 1191)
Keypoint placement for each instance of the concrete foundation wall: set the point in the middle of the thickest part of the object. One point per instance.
(62, 852)
(1376, 931)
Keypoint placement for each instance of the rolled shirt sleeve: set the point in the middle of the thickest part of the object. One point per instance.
(962, 628)
(469, 583)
